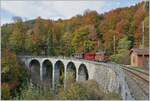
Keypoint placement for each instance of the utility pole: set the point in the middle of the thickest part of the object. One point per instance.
(50, 42)
(47, 46)
(114, 44)
(143, 34)
(143, 27)
(98, 44)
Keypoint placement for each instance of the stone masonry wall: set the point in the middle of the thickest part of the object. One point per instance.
(112, 79)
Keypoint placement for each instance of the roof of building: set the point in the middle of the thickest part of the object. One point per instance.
(140, 51)
(101, 52)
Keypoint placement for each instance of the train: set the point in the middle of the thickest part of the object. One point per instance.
(98, 56)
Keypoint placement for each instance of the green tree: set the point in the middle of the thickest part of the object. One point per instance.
(67, 49)
(48, 37)
(5, 91)
(89, 45)
(124, 43)
(13, 74)
(123, 53)
(32, 92)
(38, 37)
(78, 39)
(17, 38)
(6, 31)
(146, 32)
(84, 39)
(31, 44)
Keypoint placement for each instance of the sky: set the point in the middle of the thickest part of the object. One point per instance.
(31, 9)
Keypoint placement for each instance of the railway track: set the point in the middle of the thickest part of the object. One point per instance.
(144, 71)
(142, 75)
(140, 78)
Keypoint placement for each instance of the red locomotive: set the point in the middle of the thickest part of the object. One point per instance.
(99, 56)
(89, 56)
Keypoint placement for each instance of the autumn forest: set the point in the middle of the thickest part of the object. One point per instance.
(115, 32)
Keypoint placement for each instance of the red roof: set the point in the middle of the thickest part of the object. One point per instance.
(140, 51)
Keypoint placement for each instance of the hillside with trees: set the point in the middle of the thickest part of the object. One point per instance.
(115, 32)
(90, 32)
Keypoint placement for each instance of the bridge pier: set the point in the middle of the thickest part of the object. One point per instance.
(77, 75)
(53, 76)
(65, 75)
(41, 72)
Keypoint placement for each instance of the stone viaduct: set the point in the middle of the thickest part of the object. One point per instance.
(111, 78)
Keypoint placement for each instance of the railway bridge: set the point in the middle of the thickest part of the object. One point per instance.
(111, 78)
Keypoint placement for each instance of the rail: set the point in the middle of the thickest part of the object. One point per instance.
(139, 74)
(138, 70)
(141, 78)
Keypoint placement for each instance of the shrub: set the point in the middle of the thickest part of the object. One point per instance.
(122, 57)
(5, 91)
(75, 91)
(35, 93)
(13, 73)
(85, 90)
(92, 89)
(112, 96)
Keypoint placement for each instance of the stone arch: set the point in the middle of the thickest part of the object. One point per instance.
(59, 68)
(83, 73)
(47, 71)
(34, 66)
(71, 68)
